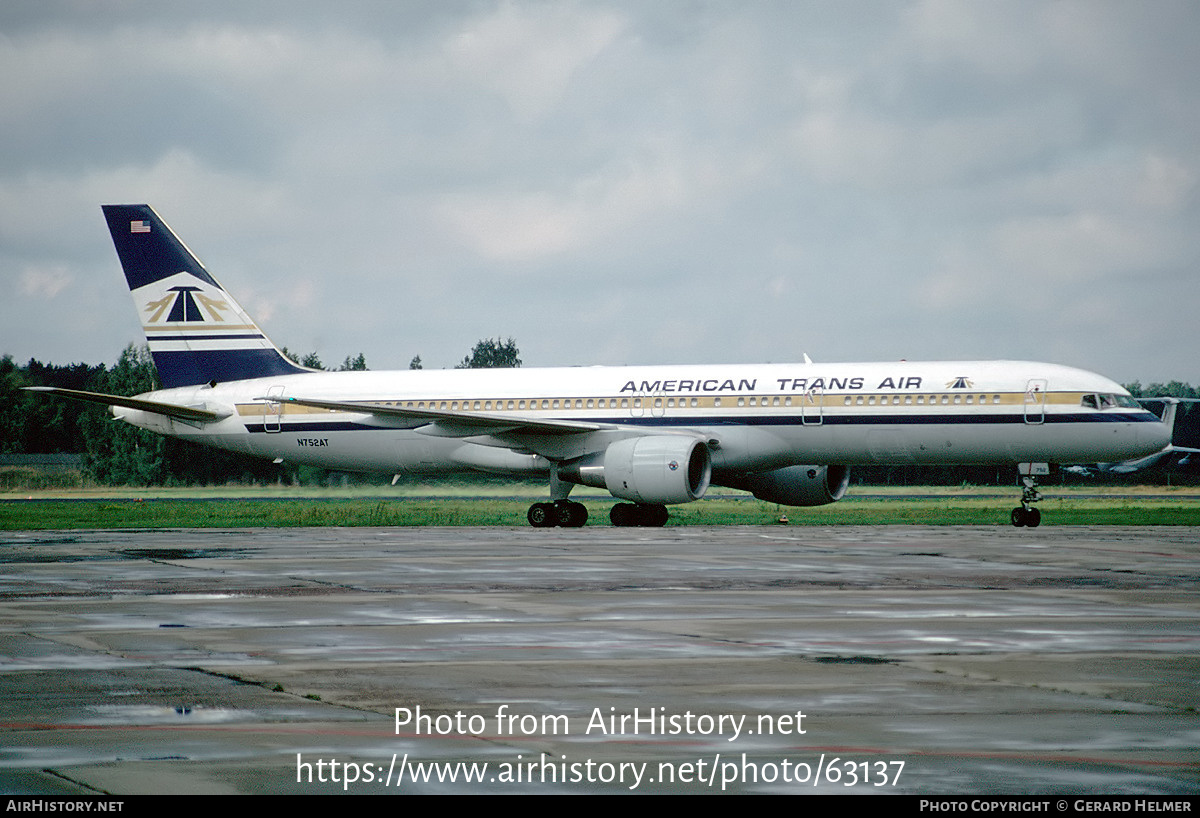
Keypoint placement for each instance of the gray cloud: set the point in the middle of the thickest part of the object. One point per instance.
(618, 182)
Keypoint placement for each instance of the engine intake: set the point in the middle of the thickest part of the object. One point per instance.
(659, 469)
(795, 485)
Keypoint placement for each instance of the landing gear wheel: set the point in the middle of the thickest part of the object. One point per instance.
(1025, 514)
(654, 516)
(623, 514)
(569, 514)
(651, 516)
(541, 515)
(1022, 516)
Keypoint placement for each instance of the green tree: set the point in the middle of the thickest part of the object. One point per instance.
(13, 407)
(415, 363)
(1174, 389)
(492, 353)
(358, 364)
(119, 453)
(311, 360)
(37, 424)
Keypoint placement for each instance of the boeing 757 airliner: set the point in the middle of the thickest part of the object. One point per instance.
(651, 435)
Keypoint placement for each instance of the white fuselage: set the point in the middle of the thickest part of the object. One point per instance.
(753, 417)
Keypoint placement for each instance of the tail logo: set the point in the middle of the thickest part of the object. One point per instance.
(139, 227)
(185, 305)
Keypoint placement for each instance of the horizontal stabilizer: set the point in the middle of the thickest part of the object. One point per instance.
(171, 410)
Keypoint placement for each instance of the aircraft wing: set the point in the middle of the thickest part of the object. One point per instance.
(171, 410)
(451, 423)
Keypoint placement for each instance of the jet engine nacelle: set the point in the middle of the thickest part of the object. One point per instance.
(659, 469)
(796, 485)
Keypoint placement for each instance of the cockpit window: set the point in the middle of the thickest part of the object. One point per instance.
(1109, 402)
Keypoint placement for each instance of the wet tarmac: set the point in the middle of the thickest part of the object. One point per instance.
(908, 659)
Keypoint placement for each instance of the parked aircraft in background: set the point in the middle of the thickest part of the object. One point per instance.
(651, 435)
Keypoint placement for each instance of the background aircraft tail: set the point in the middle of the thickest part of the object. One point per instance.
(197, 332)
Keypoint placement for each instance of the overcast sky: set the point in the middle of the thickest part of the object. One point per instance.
(619, 182)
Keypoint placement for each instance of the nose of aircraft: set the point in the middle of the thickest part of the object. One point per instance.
(1154, 437)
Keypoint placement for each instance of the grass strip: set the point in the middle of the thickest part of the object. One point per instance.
(273, 513)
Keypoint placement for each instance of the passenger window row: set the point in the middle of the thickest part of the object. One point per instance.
(658, 402)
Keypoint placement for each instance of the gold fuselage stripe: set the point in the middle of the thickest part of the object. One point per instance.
(827, 402)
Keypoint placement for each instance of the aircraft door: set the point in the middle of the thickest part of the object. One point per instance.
(273, 410)
(812, 404)
(658, 404)
(1035, 401)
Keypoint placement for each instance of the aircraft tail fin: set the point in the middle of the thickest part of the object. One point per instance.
(197, 332)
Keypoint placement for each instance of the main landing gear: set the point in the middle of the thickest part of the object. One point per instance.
(560, 511)
(569, 514)
(648, 515)
(565, 513)
(1025, 514)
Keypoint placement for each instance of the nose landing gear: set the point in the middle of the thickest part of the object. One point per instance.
(1025, 514)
